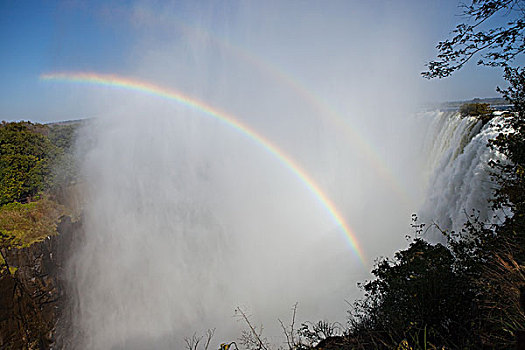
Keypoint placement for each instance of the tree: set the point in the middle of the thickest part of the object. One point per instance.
(475, 109)
(35, 158)
(25, 161)
(497, 46)
(482, 111)
(420, 296)
(495, 253)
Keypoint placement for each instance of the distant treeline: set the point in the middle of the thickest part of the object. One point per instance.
(495, 103)
(35, 158)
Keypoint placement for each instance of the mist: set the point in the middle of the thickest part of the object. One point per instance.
(187, 218)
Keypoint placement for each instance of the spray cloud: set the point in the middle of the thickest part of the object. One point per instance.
(186, 219)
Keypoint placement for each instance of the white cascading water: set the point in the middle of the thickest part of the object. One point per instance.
(459, 177)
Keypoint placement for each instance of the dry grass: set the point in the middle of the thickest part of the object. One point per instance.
(25, 224)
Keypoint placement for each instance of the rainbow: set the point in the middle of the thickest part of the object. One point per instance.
(340, 124)
(151, 89)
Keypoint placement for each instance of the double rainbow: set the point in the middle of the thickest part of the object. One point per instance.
(151, 89)
(340, 123)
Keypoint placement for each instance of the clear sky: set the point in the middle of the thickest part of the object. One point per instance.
(115, 37)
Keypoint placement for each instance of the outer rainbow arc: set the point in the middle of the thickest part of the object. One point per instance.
(339, 121)
(135, 85)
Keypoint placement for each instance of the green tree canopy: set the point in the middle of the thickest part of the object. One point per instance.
(25, 154)
(34, 158)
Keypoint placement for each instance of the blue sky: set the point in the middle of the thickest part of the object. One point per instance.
(114, 37)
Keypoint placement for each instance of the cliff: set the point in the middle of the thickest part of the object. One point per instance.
(33, 291)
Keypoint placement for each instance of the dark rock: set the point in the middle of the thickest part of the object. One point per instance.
(32, 299)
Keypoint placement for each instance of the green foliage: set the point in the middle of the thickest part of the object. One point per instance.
(482, 111)
(63, 136)
(24, 224)
(35, 162)
(478, 110)
(32, 170)
(419, 295)
(64, 166)
(24, 162)
(34, 158)
(497, 45)
(504, 272)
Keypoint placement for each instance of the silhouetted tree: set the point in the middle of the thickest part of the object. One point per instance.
(420, 296)
(495, 45)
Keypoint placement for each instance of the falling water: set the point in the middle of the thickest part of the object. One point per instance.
(459, 175)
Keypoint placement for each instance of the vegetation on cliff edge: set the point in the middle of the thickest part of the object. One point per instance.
(36, 165)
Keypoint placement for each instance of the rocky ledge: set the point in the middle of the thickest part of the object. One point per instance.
(33, 290)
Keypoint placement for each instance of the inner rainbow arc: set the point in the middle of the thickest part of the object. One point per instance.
(145, 87)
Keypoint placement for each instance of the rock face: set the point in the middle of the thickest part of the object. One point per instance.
(32, 299)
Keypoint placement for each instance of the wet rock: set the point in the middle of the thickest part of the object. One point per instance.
(32, 299)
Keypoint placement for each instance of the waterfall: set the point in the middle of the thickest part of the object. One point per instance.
(459, 177)
(189, 216)
(182, 228)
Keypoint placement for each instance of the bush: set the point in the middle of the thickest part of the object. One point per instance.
(475, 109)
(421, 296)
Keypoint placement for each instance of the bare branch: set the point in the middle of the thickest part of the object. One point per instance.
(252, 337)
(209, 336)
(193, 342)
(290, 333)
